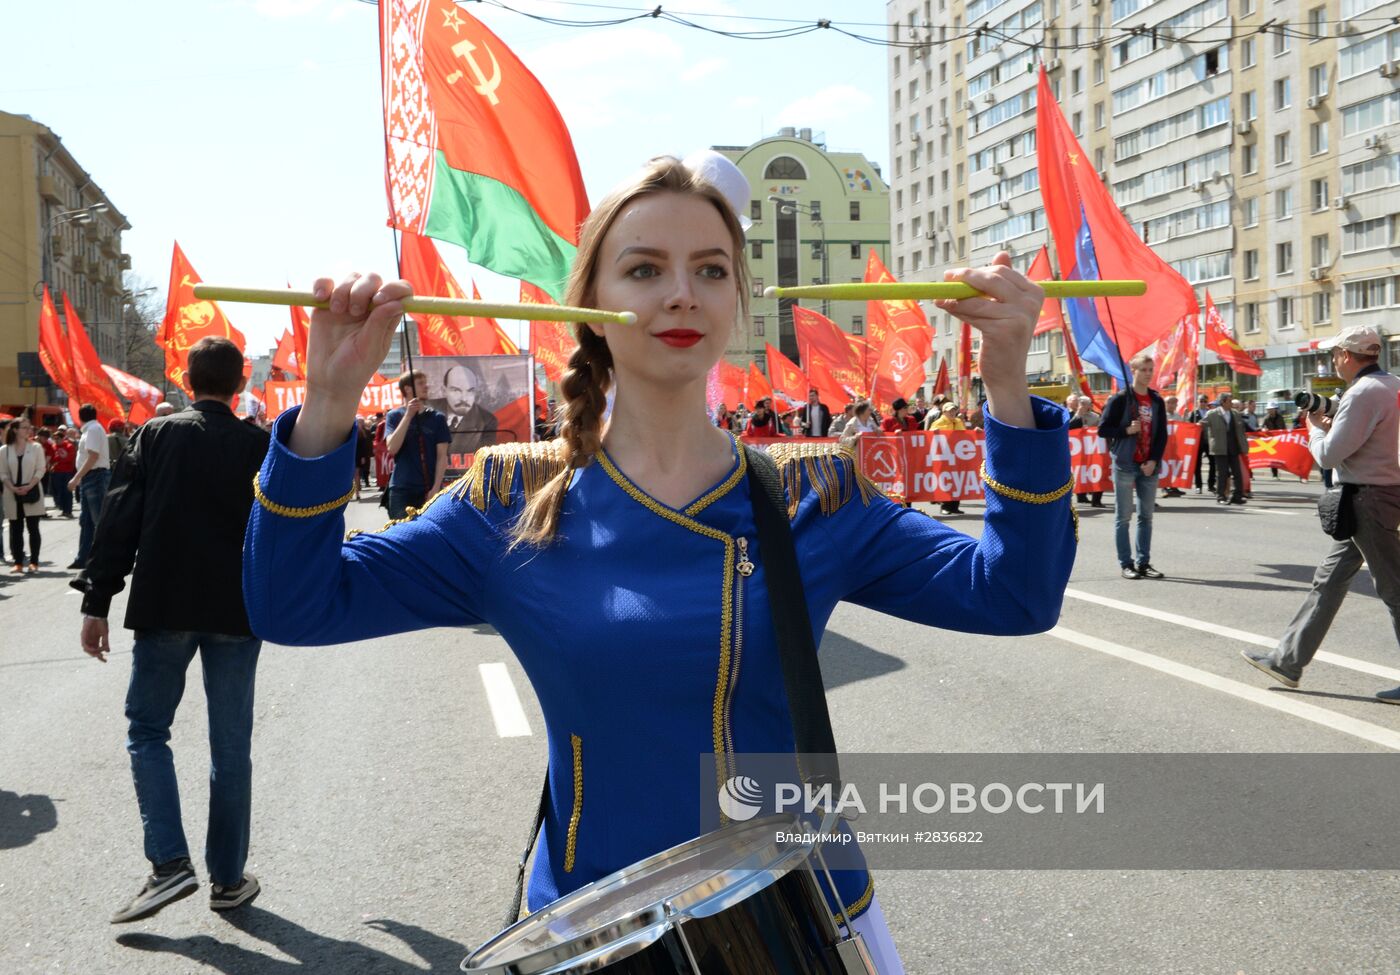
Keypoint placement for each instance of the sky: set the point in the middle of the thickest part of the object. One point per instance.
(251, 130)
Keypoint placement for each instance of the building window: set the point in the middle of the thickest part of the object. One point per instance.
(855, 209)
(1251, 317)
(1317, 138)
(1283, 203)
(757, 250)
(1098, 115)
(1283, 149)
(1282, 40)
(785, 167)
(1317, 23)
(755, 209)
(1249, 158)
(1246, 8)
(855, 250)
(1287, 313)
(1283, 93)
(1321, 250)
(1319, 195)
(1246, 53)
(1076, 81)
(1283, 258)
(1249, 105)
(857, 324)
(758, 325)
(1251, 265)
(1098, 71)
(1322, 307)
(816, 206)
(1317, 80)
(757, 287)
(1250, 208)
(1078, 124)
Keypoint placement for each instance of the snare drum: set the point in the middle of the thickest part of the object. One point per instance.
(742, 900)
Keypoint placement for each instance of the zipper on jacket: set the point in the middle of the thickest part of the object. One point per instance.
(744, 568)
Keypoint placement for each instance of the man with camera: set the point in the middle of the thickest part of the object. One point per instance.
(1360, 441)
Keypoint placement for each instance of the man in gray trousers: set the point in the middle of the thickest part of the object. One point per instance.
(1362, 442)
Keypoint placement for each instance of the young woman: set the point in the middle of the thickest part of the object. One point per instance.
(620, 561)
(22, 467)
(763, 422)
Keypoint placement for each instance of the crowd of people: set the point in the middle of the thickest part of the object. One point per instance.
(814, 419)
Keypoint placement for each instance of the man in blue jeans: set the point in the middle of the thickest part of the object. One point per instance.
(177, 510)
(1134, 423)
(91, 480)
(416, 436)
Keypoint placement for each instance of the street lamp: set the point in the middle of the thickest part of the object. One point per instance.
(792, 206)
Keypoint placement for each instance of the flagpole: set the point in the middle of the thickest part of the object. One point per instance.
(405, 346)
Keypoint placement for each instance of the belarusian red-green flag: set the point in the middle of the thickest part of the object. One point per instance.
(476, 151)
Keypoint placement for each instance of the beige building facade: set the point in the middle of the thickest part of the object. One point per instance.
(832, 209)
(1251, 143)
(56, 227)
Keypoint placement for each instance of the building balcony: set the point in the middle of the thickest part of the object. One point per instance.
(110, 246)
(124, 262)
(49, 189)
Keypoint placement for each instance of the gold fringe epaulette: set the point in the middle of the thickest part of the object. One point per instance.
(831, 469)
(493, 471)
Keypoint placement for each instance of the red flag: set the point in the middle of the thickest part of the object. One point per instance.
(54, 352)
(830, 390)
(788, 380)
(1171, 351)
(285, 357)
(1219, 341)
(903, 315)
(1051, 315)
(422, 266)
(92, 383)
(475, 150)
(551, 343)
(941, 386)
(820, 340)
(189, 319)
(143, 396)
(899, 373)
(301, 338)
(1287, 450)
(1072, 193)
(757, 387)
(730, 380)
(964, 364)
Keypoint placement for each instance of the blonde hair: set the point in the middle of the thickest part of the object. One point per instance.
(589, 373)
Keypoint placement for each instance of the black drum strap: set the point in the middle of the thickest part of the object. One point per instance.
(792, 625)
(513, 914)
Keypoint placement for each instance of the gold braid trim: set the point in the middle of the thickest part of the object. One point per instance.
(286, 512)
(1048, 497)
(539, 463)
(831, 469)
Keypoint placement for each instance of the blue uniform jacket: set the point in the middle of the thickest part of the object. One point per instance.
(645, 646)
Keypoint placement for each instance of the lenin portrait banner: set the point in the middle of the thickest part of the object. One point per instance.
(485, 398)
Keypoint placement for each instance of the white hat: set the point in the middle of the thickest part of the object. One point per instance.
(1362, 339)
(718, 170)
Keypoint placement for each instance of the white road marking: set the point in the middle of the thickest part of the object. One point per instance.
(1251, 509)
(1285, 702)
(505, 703)
(1230, 633)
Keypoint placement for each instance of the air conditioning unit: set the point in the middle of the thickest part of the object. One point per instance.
(1314, 101)
(989, 98)
(1165, 34)
(1339, 203)
(998, 169)
(1374, 142)
(943, 123)
(968, 106)
(1389, 69)
(1005, 205)
(1346, 27)
(1096, 43)
(1103, 176)
(1198, 185)
(1318, 273)
(1053, 65)
(929, 234)
(915, 137)
(1244, 127)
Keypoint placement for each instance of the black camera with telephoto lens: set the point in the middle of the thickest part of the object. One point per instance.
(1315, 403)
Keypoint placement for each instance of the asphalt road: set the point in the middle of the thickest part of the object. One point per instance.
(388, 810)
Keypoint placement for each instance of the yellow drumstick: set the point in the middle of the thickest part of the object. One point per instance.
(424, 306)
(931, 290)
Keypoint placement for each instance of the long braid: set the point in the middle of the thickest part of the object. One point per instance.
(584, 386)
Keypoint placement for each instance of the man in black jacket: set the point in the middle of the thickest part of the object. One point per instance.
(814, 418)
(177, 510)
(1134, 423)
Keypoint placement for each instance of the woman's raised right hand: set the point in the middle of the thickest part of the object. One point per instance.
(349, 340)
(347, 345)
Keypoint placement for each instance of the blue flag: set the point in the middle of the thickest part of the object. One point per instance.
(1095, 343)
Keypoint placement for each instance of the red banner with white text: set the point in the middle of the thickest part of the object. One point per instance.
(282, 396)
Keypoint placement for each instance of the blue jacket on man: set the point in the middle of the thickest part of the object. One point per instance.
(1121, 410)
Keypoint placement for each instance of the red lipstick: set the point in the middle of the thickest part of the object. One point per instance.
(680, 338)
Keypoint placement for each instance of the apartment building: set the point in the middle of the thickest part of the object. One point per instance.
(1251, 143)
(816, 215)
(58, 228)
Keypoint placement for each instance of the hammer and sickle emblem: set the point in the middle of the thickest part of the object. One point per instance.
(486, 87)
(882, 464)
